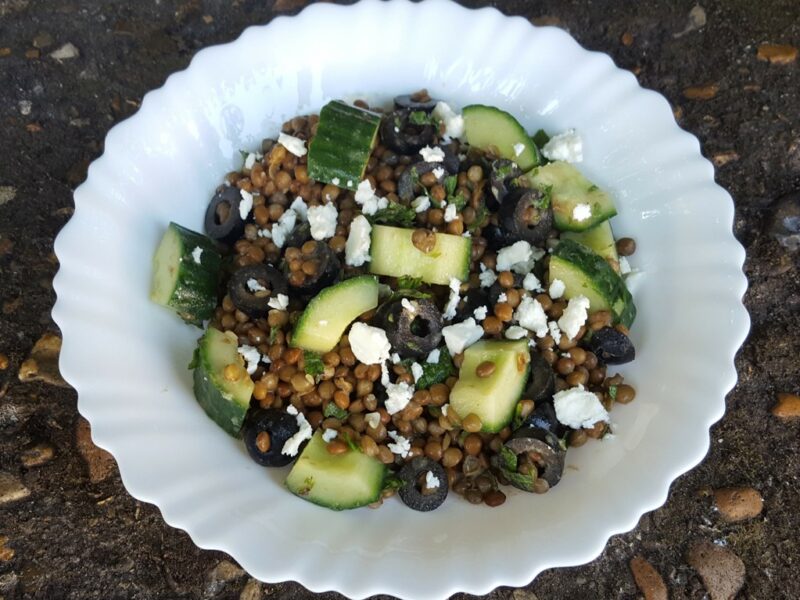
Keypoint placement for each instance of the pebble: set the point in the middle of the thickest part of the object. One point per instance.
(720, 159)
(251, 590)
(37, 455)
(3, 362)
(220, 576)
(720, 569)
(648, 580)
(701, 92)
(287, 5)
(777, 54)
(42, 364)
(100, 462)
(523, 595)
(788, 406)
(783, 221)
(6, 553)
(697, 19)
(25, 107)
(5, 51)
(43, 40)
(65, 52)
(7, 194)
(738, 503)
(11, 489)
(626, 38)
(33, 53)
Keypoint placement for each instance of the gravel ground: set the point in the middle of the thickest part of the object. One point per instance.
(71, 69)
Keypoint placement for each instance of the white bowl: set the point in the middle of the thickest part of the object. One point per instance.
(127, 357)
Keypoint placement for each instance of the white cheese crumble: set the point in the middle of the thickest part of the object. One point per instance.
(487, 277)
(250, 161)
(438, 172)
(503, 297)
(432, 155)
(408, 305)
(265, 233)
(567, 146)
(252, 356)
(293, 144)
(624, 266)
(515, 332)
(452, 302)
(555, 332)
(196, 254)
(279, 302)
(395, 358)
(421, 204)
(292, 445)
(254, 286)
(284, 226)
(480, 313)
(329, 435)
(453, 122)
(515, 257)
(245, 204)
(356, 249)
(416, 371)
(369, 344)
(336, 181)
(299, 206)
(431, 481)
(578, 408)
(322, 220)
(574, 316)
(519, 148)
(450, 213)
(372, 419)
(369, 201)
(581, 212)
(398, 395)
(530, 315)
(557, 288)
(532, 283)
(445, 408)
(401, 445)
(433, 357)
(461, 335)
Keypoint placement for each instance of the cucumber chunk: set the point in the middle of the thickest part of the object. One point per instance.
(225, 401)
(493, 398)
(324, 320)
(599, 239)
(394, 254)
(586, 273)
(499, 133)
(570, 190)
(186, 270)
(336, 481)
(340, 150)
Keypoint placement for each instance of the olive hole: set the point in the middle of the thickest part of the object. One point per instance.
(222, 213)
(420, 327)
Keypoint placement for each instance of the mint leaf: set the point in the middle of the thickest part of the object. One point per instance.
(508, 459)
(350, 443)
(395, 214)
(438, 372)
(520, 480)
(517, 422)
(420, 117)
(450, 183)
(331, 410)
(273, 333)
(407, 282)
(540, 138)
(612, 392)
(546, 199)
(313, 363)
(393, 482)
(481, 218)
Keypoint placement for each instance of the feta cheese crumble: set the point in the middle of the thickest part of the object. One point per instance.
(487, 277)
(395, 358)
(250, 161)
(336, 181)
(431, 481)
(356, 249)
(329, 435)
(574, 316)
(503, 297)
(416, 371)
(445, 408)
(372, 419)
(452, 302)
(408, 305)
(421, 204)
(579, 408)
(254, 286)
(369, 201)
(624, 266)
(196, 254)
(480, 313)
(369, 344)
(532, 283)
(438, 172)
(398, 395)
(279, 302)
(252, 356)
(300, 207)
(322, 220)
(434, 355)
(432, 155)
(292, 445)
(453, 122)
(557, 289)
(461, 335)
(518, 257)
(245, 204)
(401, 445)
(567, 146)
(515, 332)
(530, 315)
(293, 144)
(555, 332)
(450, 213)
(519, 148)
(284, 226)
(581, 212)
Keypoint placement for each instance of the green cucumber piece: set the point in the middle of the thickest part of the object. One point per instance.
(586, 273)
(324, 320)
(599, 239)
(186, 271)
(499, 133)
(395, 255)
(568, 188)
(336, 481)
(226, 402)
(492, 398)
(339, 151)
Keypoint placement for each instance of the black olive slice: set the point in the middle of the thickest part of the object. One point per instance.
(298, 236)
(474, 298)
(544, 417)
(522, 219)
(223, 221)
(402, 136)
(611, 346)
(412, 334)
(412, 102)
(496, 238)
(244, 288)
(414, 475)
(542, 380)
(503, 173)
(327, 272)
(546, 449)
(280, 426)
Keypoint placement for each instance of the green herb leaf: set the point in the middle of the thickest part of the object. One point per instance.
(395, 214)
(520, 480)
(459, 200)
(273, 333)
(195, 362)
(420, 117)
(517, 422)
(406, 293)
(438, 372)
(350, 443)
(508, 459)
(393, 482)
(612, 392)
(331, 410)
(450, 183)
(407, 282)
(540, 138)
(481, 218)
(313, 363)
(546, 199)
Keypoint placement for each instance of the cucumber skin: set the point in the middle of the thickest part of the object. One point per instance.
(474, 111)
(342, 146)
(226, 413)
(607, 282)
(599, 239)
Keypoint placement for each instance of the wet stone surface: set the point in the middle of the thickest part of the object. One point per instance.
(71, 70)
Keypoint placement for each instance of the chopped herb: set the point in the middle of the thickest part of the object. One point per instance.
(481, 217)
(459, 200)
(313, 363)
(546, 198)
(509, 459)
(394, 214)
(398, 124)
(517, 422)
(195, 362)
(520, 480)
(393, 482)
(540, 138)
(273, 333)
(420, 117)
(450, 183)
(438, 372)
(612, 392)
(408, 293)
(350, 443)
(331, 410)
(407, 282)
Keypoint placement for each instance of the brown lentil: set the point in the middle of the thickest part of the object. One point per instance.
(494, 498)
(625, 393)
(626, 246)
(471, 423)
